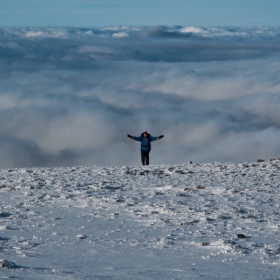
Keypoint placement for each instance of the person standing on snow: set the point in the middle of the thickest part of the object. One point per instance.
(145, 140)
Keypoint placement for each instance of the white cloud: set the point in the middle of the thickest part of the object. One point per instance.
(122, 28)
(70, 96)
(120, 34)
(30, 34)
(192, 29)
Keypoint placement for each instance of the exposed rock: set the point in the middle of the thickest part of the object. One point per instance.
(81, 236)
(5, 263)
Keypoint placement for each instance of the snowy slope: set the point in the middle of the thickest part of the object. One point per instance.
(191, 221)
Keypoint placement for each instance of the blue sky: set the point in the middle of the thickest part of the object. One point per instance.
(93, 13)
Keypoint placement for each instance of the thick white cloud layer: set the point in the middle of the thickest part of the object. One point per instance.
(70, 96)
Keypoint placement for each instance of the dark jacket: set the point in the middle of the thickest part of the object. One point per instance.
(145, 141)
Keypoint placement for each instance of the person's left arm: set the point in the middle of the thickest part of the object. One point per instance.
(156, 138)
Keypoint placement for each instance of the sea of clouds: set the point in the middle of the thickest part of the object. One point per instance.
(70, 96)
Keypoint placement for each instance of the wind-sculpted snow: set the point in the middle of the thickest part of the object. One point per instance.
(69, 96)
(186, 221)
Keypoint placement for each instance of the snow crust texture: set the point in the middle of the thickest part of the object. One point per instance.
(187, 221)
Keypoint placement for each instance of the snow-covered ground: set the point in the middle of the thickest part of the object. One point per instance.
(191, 221)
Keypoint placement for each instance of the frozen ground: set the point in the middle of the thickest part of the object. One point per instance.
(191, 221)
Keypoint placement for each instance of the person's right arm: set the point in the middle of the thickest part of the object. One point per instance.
(135, 138)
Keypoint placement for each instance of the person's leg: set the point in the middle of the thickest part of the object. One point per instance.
(143, 157)
(147, 157)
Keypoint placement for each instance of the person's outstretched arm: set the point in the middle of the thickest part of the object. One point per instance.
(134, 137)
(156, 138)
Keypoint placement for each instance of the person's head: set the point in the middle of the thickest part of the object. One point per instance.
(145, 133)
